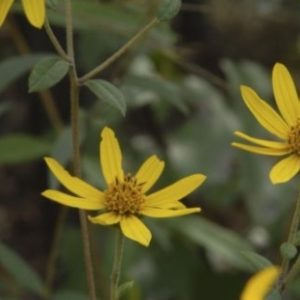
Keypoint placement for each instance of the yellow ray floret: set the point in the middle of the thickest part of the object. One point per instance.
(285, 94)
(124, 200)
(35, 11)
(285, 125)
(259, 285)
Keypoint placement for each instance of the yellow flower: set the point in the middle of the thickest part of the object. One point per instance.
(259, 285)
(34, 11)
(285, 126)
(124, 200)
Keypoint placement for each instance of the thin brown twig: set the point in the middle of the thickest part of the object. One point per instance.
(53, 39)
(118, 53)
(292, 236)
(74, 99)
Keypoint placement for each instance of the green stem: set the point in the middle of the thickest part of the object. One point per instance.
(74, 90)
(69, 31)
(74, 98)
(56, 44)
(116, 271)
(285, 266)
(118, 53)
(295, 270)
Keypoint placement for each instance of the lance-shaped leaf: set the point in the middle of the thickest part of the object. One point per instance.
(256, 261)
(107, 92)
(47, 73)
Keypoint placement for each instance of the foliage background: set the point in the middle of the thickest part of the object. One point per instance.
(181, 83)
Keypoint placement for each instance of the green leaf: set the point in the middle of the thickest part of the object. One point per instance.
(168, 9)
(107, 92)
(256, 261)
(14, 67)
(125, 288)
(23, 274)
(47, 73)
(15, 148)
(218, 241)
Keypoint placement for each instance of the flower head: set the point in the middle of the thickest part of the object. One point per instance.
(285, 125)
(34, 11)
(259, 285)
(125, 198)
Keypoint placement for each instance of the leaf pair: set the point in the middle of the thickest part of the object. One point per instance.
(51, 70)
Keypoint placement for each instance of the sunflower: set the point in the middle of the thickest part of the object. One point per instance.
(34, 11)
(260, 284)
(125, 198)
(285, 125)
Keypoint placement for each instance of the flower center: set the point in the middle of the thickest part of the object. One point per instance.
(294, 137)
(124, 197)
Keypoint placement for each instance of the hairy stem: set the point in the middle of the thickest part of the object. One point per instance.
(74, 98)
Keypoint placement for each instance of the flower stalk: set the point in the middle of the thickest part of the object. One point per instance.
(116, 270)
(74, 99)
(286, 272)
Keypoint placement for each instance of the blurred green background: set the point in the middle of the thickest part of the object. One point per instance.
(181, 85)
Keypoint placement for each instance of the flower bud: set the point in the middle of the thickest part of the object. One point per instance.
(288, 250)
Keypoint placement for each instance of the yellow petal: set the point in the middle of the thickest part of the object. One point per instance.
(176, 191)
(259, 285)
(261, 142)
(285, 169)
(285, 94)
(73, 184)
(5, 5)
(35, 12)
(168, 213)
(110, 156)
(261, 150)
(134, 229)
(149, 172)
(106, 219)
(264, 113)
(171, 205)
(72, 201)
